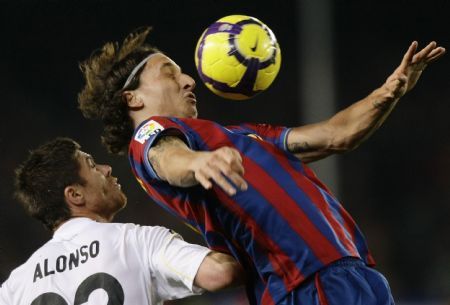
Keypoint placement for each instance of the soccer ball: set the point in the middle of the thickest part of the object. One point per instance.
(237, 57)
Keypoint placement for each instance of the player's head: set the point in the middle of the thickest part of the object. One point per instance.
(105, 73)
(125, 83)
(58, 181)
(163, 90)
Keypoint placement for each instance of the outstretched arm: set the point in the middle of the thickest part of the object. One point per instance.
(177, 164)
(347, 129)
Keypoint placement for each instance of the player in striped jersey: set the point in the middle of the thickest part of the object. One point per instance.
(90, 260)
(246, 188)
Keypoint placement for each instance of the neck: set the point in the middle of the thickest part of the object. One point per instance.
(97, 219)
(137, 117)
(93, 216)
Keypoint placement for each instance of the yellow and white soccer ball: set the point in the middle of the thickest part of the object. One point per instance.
(237, 57)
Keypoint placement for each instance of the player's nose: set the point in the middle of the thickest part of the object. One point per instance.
(105, 169)
(188, 82)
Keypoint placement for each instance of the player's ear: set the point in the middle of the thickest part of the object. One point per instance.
(132, 100)
(74, 195)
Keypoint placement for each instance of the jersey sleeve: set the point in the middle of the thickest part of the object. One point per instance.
(276, 135)
(4, 297)
(173, 263)
(147, 135)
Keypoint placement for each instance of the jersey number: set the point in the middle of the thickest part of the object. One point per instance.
(91, 283)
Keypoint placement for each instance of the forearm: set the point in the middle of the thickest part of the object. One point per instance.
(350, 127)
(355, 124)
(172, 161)
(343, 132)
(359, 121)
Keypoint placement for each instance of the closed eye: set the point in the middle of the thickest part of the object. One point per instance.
(170, 70)
(90, 161)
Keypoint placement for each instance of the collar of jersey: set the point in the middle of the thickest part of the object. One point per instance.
(71, 228)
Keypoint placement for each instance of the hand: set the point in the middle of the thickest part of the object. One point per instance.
(218, 165)
(410, 69)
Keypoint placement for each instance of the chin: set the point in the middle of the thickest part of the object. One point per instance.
(124, 202)
(188, 116)
(194, 115)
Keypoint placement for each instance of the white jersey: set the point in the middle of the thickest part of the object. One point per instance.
(106, 263)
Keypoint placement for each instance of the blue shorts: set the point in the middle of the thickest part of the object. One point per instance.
(345, 282)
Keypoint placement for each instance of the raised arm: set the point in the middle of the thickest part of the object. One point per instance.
(174, 162)
(347, 129)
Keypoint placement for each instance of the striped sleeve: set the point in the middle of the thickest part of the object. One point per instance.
(276, 135)
(148, 134)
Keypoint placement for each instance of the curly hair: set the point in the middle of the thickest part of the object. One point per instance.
(41, 179)
(105, 73)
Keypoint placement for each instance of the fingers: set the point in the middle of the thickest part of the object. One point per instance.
(229, 154)
(412, 66)
(423, 54)
(203, 179)
(234, 173)
(215, 174)
(408, 57)
(224, 168)
(232, 157)
(428, 54)
(435, 54)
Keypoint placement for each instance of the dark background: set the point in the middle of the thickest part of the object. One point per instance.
(396, 185)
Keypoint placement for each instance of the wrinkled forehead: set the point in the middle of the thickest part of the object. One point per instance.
(81, 154)
(83, 157)
(159, 60)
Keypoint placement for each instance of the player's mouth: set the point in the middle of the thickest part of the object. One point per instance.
(191, 97)
(117, 184)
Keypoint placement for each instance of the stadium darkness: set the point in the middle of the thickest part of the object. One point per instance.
(396, 185)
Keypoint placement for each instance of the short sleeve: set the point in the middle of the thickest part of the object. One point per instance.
(147, 135)
(4, 297)
(173, 263)
(276, 135)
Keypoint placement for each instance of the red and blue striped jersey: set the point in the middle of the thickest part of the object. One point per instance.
(285, 227)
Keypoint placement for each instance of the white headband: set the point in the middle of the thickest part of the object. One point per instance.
(134, 71)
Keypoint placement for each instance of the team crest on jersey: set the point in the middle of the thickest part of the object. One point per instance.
(147, 130)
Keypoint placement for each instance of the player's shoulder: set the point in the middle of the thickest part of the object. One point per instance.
(113, 230)
(168, 121)
(136, 232)
(150, 232)
(149, 129)
(20, 273)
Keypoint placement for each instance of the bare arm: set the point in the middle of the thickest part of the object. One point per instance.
(177, 164)
(218, 271)
(343, 132)
(352, 126)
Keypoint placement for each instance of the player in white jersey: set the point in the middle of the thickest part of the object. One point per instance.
(90, 260)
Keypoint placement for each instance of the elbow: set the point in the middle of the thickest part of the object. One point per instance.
(353, 146)
(343, 145)
(219, 271)
(227, 275)
(337, 140)
(182, 180)
(233, 275)
(346, 147)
